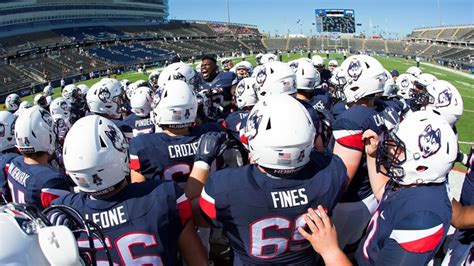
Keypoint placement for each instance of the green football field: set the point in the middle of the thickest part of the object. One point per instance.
(464, 84)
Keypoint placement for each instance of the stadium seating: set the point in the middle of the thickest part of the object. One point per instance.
(395, 47)
(12, 79)
(375, 45)
(298, 43)
(275, 43)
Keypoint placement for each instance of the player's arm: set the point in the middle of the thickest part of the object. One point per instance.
(207, 151)
(377, 180)
(351, 157)
(323, 237)
(190, 246)
(136, 176)
(462, 217)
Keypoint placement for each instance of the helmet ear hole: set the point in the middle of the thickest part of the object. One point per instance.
(102, 143)
(269, 125)
(421, 169)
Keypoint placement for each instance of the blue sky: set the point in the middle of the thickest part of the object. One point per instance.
(278, 16)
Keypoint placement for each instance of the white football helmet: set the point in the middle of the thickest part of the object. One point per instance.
(266, 58)
(317, 60)
(245, 93)
(447, 101)
(307, 77)
(421, 149)
(24, 230)
(198, 68)
(23, 105)
(71, 93)
(406, 85)
(48, 90)
(104, 163)
(176, 105)
(428, 78)
(333, 63)
(258, 58)
(365, 77)
(153, 78)
(141, 101)
(34, 131)
(83, 89)
(390, 88)
(244, 65)
(7, 130)
(61, 107)
(177, 71)
(415, 71)
(12, 102)
(275, 78)
(106, 97)
(280, 138)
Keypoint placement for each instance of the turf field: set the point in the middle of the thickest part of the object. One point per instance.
(464, 84)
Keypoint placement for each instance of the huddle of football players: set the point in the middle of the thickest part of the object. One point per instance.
(291, 163)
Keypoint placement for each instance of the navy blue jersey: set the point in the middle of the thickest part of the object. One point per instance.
(261, 214)
(167, 157)
(126, 129)
(5, 159)
(34, 183)
(347, 131)
(141, 224)
(321, 99)
(338, 108)
(466, 237)
(408, 227)
(313, 114)
(234, 122)
(139, 125)
(325, 75)
(222, 82)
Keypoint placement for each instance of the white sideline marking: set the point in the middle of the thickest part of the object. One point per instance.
(466, 142)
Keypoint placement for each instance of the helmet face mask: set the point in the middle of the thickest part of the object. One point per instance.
(391, 153)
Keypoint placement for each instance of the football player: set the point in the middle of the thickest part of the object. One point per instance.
(407, 171)
(30, 178)
(8, 151)
(261, 205)
(145, 223)
(141, 106)
(365, 78)
(169, 154)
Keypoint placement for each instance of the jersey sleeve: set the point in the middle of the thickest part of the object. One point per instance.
(134, 159)
(414, 240)
(183, 205)
(53, 189)
(213, 201)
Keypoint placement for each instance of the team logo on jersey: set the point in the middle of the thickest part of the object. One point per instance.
(261, 76)
(46, 117)
(104, 94)
(2, 130)
(63, 105)
(354, 70)
(116, 138)
(444, 98)
(294, 66)
(429, 141)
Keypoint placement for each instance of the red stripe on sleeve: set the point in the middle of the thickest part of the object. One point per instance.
(425, 244)
(352, 141)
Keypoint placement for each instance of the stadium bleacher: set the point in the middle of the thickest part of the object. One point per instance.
(275, 43)
(298, 43)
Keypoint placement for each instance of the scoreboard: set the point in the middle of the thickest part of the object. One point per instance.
(335, 20)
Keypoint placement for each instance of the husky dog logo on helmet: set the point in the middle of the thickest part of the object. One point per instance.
(104, 94)
(179, 76)
(46, 117)
(444, 98)
(429, 141)
(116, 138)
(253, 121)
(355, 70)
(294, 66)
(261, 76)
(240, 88)
(405, 83)
(63, 105)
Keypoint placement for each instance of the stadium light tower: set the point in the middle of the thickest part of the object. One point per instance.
(228, 12)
